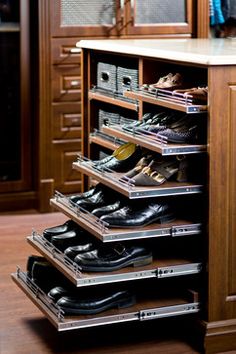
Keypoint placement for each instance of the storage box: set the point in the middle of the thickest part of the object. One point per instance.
(107, 77)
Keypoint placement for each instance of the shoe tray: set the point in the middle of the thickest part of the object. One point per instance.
(166, 102)
(112, 180)
(153, 144)
(143, 310)
(94, 226)
(163, 268)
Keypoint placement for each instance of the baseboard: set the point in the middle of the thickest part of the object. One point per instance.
(18, 201)
(220, 336)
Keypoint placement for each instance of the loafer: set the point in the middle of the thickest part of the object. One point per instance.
(60, 229)
(134, 217)
(107, 259)
(74, 305)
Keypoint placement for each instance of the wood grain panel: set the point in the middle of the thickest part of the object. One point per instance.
(222, 203)
(66, 120)
(65, 153)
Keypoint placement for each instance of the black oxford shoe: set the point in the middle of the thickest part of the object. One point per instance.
(74, 305)
(133, 217)
(65, 240)
(72, 251)
(108, 259)
(87, 194)
(60, 229)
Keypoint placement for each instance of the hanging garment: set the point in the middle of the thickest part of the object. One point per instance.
(217, 17)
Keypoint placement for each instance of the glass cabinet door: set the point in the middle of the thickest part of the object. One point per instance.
(85, 18)
(163, 17)
(15, 161)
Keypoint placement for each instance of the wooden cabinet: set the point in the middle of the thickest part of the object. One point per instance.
(195, 252)
(16, 179)
(195, 59)
(61, 24)
(119, 18)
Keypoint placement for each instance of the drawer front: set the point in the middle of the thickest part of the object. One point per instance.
(66, 179)
(66, 120)
(64, 51)
(66, 83)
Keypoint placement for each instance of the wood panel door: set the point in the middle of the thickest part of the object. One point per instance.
(85, 18)
(159, 17)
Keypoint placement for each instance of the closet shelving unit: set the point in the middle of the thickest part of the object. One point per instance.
(212, 298)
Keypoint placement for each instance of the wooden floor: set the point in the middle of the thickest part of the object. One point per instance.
(23, 329)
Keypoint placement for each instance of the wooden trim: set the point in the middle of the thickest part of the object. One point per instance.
(45, 134)
(203, 22)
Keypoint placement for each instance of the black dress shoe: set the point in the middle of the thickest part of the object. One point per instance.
(30, 262)
(46, 276)
(107, 209)
(133, 216)
(73, 251)
(87, 194)
(131, 126)
(57, 292)
(107, 259)
(60, 229)
(97, 200)
(74, 305)
(65, 240)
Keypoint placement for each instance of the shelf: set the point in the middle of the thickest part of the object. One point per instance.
(165, 102)
(112, 180)
(94, 226)
(144, 309)
(104, 140)
(9, 27)
(153, 144)
(157, 269)
(112, 99)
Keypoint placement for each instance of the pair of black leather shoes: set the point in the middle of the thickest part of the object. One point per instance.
(108, 258)
(67, 235)
(73, 304)
(139, 215)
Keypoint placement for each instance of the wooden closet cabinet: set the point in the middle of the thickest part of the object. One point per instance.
(61, 24)
(212, 63)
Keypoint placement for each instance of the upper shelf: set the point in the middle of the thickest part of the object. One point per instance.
(112, 99)
(98, 229)
(159, 268)
(151, 143)
(166, 102)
